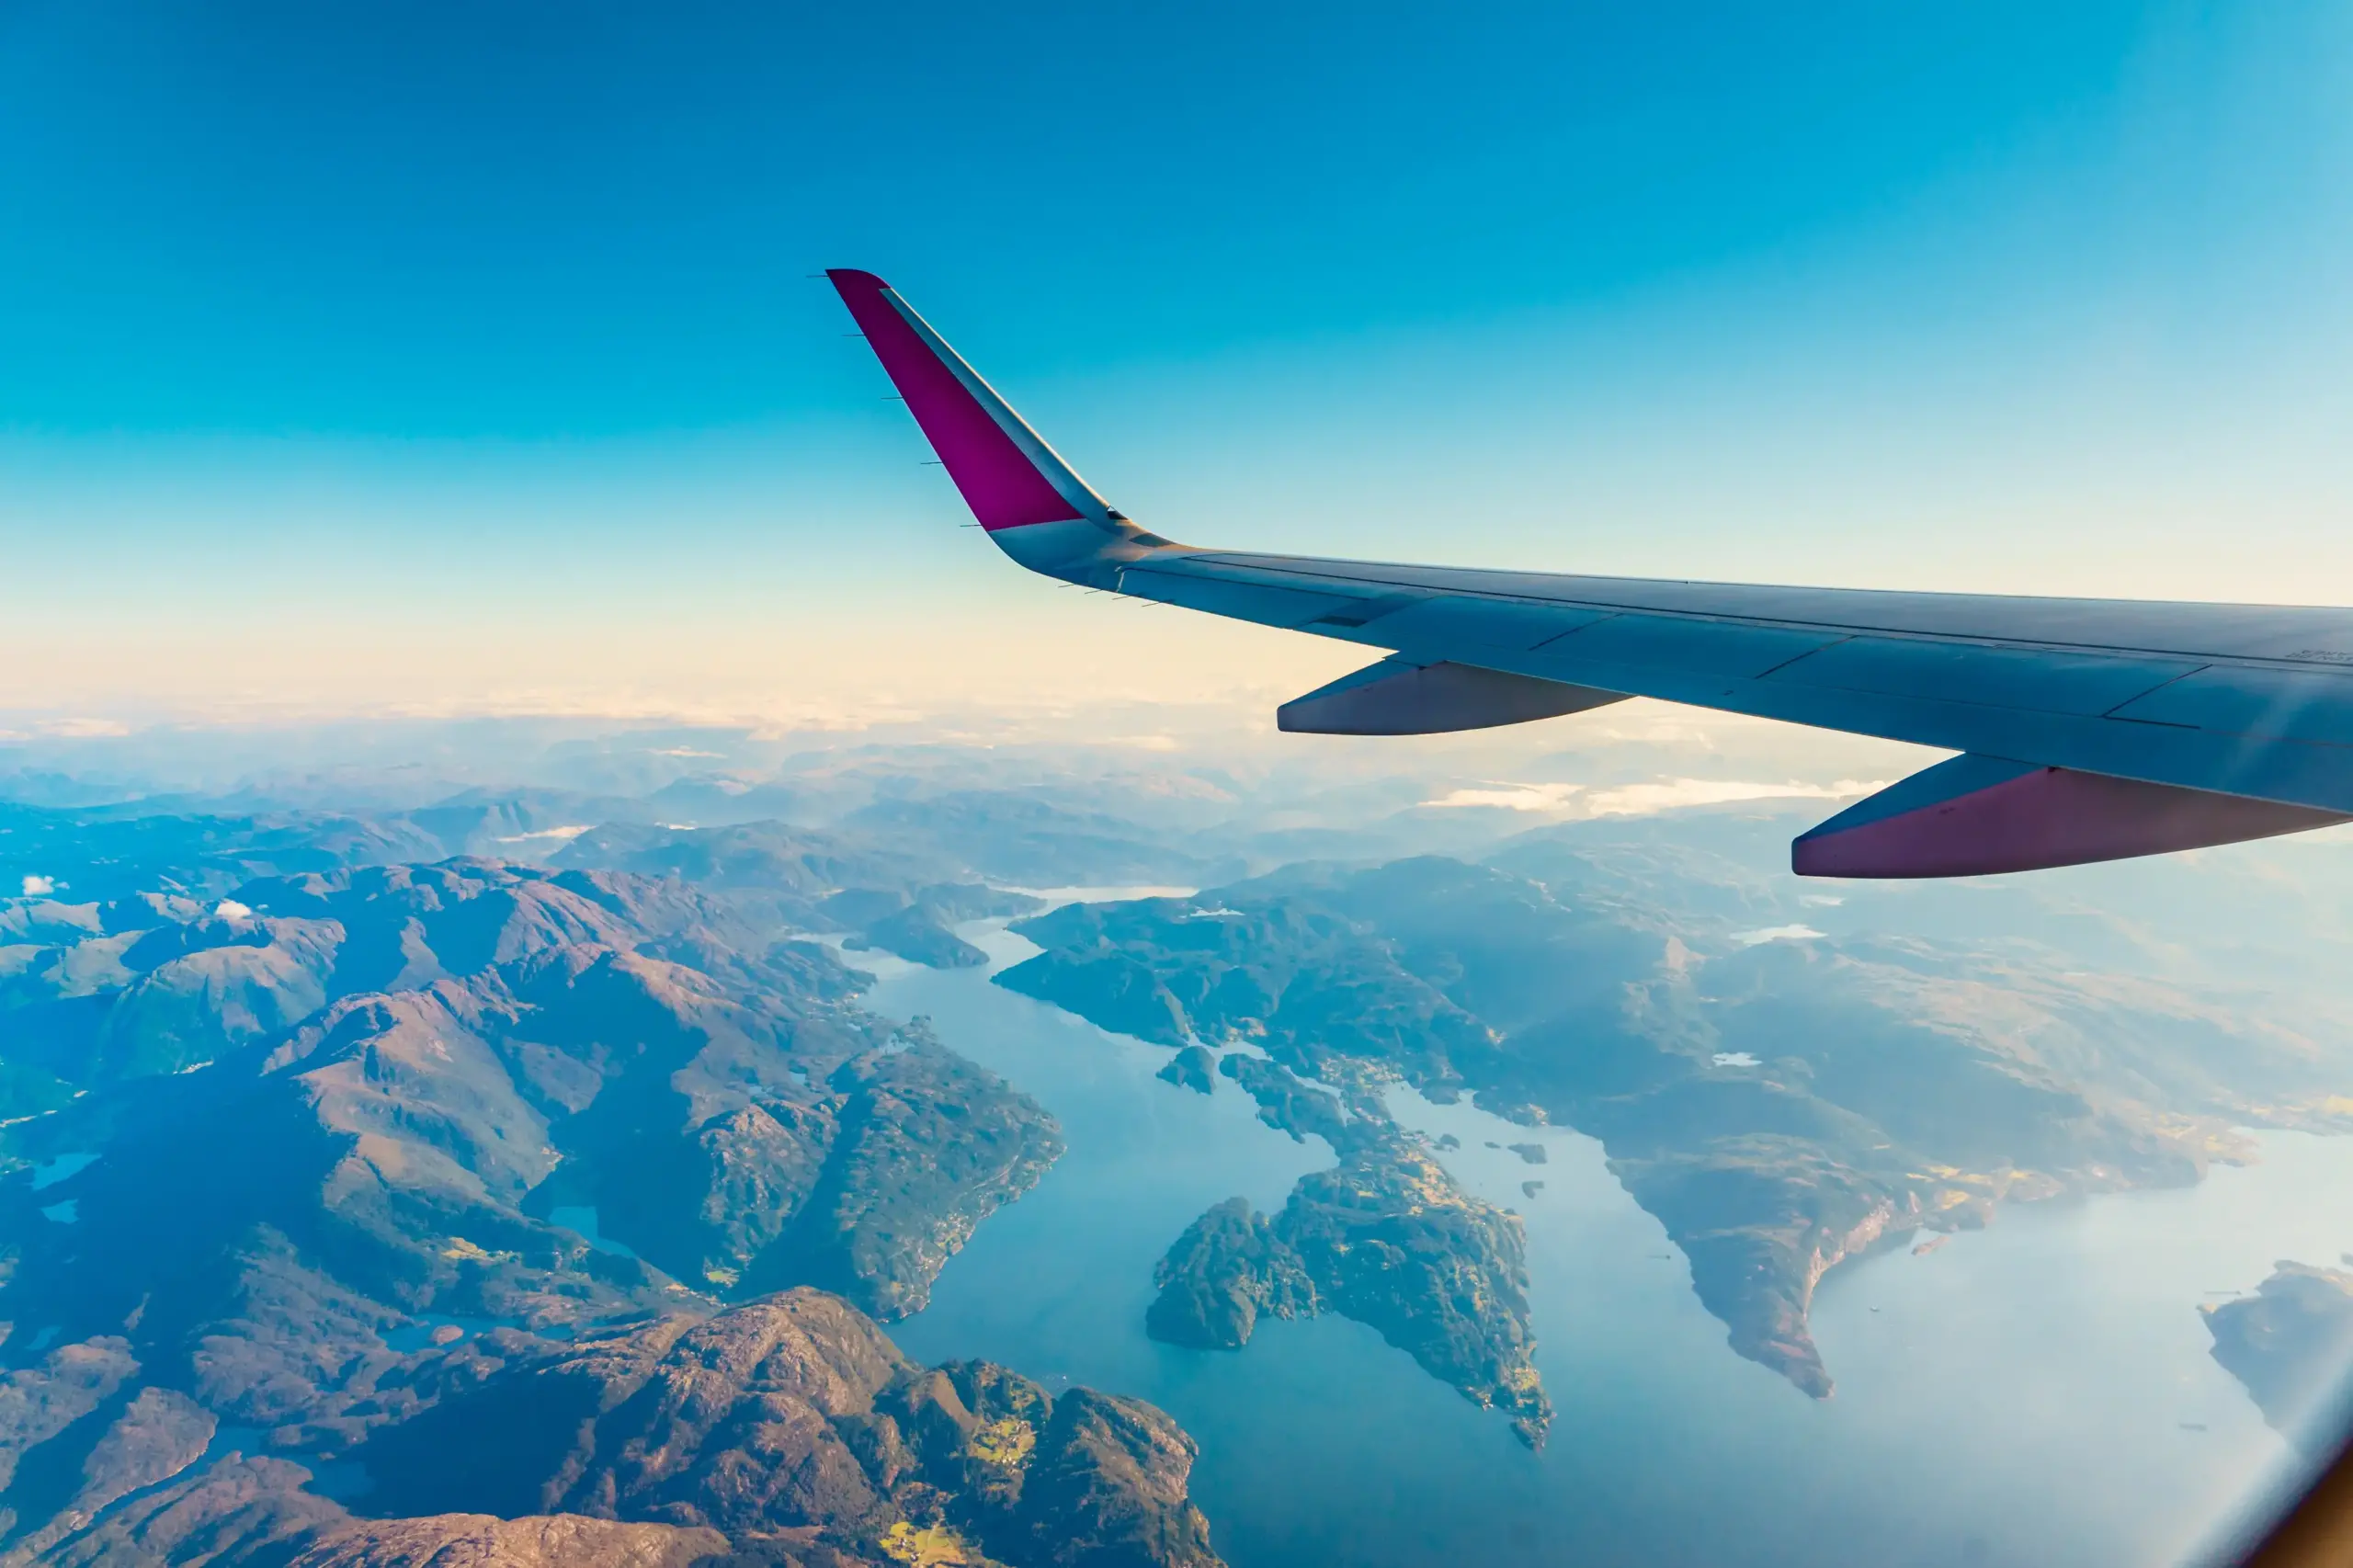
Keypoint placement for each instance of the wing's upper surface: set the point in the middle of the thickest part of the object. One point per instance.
(2243, 700)
(2247, 709)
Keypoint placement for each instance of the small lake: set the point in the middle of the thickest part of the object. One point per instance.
(2034, 1394)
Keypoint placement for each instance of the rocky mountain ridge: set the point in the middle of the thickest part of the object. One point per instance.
(787, 1431)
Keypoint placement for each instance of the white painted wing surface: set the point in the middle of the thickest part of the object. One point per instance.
(2245, 700)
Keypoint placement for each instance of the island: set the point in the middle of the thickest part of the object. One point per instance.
(1287, 1101)
(1193, 1067)
(2291, 1346)
(1387, 1238)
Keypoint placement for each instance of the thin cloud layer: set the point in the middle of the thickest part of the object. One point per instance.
(1641, 800)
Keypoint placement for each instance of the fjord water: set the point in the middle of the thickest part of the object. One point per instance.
(2037, 1392)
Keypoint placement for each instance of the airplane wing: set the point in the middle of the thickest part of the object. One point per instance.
(2087, 729)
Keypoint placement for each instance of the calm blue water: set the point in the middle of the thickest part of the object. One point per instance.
(2023, 1395)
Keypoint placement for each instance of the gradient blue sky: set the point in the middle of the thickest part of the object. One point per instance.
(364, 356)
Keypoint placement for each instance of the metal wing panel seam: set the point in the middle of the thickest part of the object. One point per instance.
(1296, 567)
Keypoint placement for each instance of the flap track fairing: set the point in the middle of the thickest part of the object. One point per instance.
(1400, 697)
(1972, 816)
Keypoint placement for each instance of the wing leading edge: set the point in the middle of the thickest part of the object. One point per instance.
(2090, 729)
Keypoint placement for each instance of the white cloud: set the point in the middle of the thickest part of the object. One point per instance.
(1777, 933)
(1645, 800)
(1735, 1059)
(40, 887)
(83, 729)
(682, 751)
(573, 832)
(1639, 800)
(1512, 796)
(230, 909)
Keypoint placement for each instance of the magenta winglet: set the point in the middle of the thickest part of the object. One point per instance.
(1974, 816)
(1004, 488)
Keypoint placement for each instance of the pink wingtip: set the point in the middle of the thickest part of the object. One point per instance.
(997, 480)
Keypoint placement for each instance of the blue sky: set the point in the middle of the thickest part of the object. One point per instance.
(411, 342)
